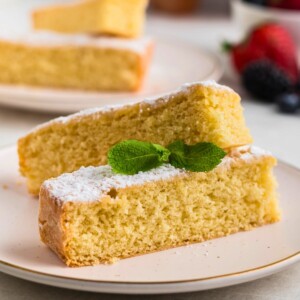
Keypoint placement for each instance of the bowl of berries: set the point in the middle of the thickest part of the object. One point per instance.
(249, 13)
(266, 60)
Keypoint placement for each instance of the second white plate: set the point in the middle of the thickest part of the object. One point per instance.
(174, 63)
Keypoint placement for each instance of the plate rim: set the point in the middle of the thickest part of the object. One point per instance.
(155, 288)
(134, 287)
(277, 263)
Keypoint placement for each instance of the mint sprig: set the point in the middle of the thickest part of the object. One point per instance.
(132, 156)
(201, 157)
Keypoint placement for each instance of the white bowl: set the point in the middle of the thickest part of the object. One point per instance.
(249, 15)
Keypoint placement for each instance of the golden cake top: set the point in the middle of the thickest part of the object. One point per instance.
(185, 88)
(92, 183)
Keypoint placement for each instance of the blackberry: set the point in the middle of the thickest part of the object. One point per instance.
(288, 103)
(265, 81)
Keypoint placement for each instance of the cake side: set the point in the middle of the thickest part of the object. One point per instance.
(51, 216)
(143, 66)
(83, 139)
(112, 17)
(122, 18)
(160, 213)
(102, 66)
(61, 18)
(223, 114)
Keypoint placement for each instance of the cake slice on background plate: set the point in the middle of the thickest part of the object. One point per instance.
(110, 17)
(95, 216)
(82, 62)
(197, 112)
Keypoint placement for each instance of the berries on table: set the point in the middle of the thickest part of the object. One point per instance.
(288, 103)
(268, 41)
(267, 61)
(265, 81)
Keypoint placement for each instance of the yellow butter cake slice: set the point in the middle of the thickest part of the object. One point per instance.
(74, 61)
(113, 17)
(195, 113)
(94, 216)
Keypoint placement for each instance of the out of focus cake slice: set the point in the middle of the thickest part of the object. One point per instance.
(93, 216)
(74, 61)
(195, 113)
(114, 17)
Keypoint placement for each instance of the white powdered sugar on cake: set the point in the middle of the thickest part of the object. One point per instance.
(210, 83)
(52, 39)
(92, 183)
(150, 101)
(246, 153)
(259, 151)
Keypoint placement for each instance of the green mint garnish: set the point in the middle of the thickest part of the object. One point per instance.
(132, 156)
(201, 157)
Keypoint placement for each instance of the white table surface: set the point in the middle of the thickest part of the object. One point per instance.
(271, 130)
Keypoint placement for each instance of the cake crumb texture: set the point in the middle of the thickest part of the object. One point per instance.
(198, 112)
(85, 63)
(185, 208)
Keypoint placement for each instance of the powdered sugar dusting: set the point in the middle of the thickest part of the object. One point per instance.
(53, 39)
(211, 84)
(259, 151)
(247, 153)
(92, 183)
(150, 101)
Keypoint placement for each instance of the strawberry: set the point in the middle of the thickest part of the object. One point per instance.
(268, 41)
(287, 4)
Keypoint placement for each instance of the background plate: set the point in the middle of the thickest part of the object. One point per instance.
(221, 262)
(174, 63)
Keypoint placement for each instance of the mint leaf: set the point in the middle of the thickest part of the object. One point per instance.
(201, 157)
(132, 156)
(164, 153)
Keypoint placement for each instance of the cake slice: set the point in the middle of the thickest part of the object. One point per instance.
(74, 61)
(195, 113)
(113, 17)
(94, 216)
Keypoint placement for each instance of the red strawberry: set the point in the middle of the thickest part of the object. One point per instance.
(287, 4)
(269, 41)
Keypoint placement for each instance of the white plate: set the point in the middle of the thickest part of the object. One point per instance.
(226, 261)
(174, 63)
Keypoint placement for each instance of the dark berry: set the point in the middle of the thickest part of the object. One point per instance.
(265, 81)
(257, 2)
(298, 85)
(288, 103)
